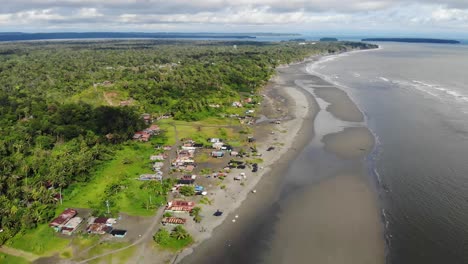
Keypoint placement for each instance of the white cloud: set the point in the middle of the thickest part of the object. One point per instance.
(239, 15)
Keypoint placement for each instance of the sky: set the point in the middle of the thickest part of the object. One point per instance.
(344, 17)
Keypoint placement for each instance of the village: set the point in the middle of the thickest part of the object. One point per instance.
(196, 168)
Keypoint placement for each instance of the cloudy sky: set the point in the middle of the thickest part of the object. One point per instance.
(368, 17)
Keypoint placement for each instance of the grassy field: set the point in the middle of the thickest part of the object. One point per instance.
(41, 241)
(99, 95)
(8, 259)
(128, 163)
(200, 131)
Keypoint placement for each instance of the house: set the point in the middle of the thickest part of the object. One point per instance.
(147, 118)
(173, 221)
(215, 140)
(155, 129)
(218, 145)
(179, 206)
(62, 219)
(98, 228)
(71, 225)
(248, 100)
(142, 136)
(158, 165)
(150, 177)
(189, 168)
(187, 179)
(158, 157)
(236, 104)
(217, 154)
(234, 153)
(120, 233)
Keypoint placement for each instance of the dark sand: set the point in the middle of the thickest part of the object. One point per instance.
(322, 209)
(341, 105)
(352, 142)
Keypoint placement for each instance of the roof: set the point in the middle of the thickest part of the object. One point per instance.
(100, 220)
(118, 232)
(63, 217)
(174, 220)
(74, 222)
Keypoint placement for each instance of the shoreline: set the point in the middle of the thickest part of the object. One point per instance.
(301, 130)
(298, 122)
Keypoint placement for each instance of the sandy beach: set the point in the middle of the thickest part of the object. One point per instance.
(336, 207)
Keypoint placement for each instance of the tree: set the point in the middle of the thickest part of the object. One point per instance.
(162, 236)
(187, 190)
(179, 233)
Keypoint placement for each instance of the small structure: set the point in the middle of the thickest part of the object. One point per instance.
(218, 145)
(217, 154)
(98, 229)
(120, 233)
(187, 179)
(142, 136)
(215, 140)
(62, 219)
(236, 104)
(71, 225)
(147, 118)
(173, 221)
(150, 177)
(234, 153)
(179, 206)
(157, 157)
(155, 129)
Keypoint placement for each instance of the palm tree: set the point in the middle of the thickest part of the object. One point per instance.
(179, 233)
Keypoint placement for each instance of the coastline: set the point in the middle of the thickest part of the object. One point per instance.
(243, 207)
(293, 134)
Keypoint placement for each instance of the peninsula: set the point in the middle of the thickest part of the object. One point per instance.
(414, 40)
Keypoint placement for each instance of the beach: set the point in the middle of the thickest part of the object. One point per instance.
(313, 198)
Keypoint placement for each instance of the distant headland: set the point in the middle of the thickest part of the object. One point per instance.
(19, 36)
(415, 40)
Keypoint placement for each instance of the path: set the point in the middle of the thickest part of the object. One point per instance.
(147, 235)
(19, 253)
(108, 100)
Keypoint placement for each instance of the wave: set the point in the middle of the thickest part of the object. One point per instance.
(441, 90)
(384, 79)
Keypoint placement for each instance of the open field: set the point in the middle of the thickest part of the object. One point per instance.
(128, 163)
(5, 258)
(42, 241)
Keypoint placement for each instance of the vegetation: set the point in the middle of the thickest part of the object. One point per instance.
(4, 258)
(196, 214)
(178, 239)
(187, 190)
(62, 129)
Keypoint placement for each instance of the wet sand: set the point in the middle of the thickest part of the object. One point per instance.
(315, 204)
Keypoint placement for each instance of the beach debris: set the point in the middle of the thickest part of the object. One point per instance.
(218, 213)
(233, 220)
(254, 191)
(270, 148)
(237, 216)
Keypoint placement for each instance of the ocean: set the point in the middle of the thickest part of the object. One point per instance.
(405, 202)
(415, 99)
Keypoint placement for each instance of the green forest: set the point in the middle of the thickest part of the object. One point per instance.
(66, 107)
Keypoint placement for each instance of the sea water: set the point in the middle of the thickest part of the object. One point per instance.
(415, 98)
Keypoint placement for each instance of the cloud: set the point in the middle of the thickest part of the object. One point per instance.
(239, 15)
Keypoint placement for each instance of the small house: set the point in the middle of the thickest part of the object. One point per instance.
(179, 206)
(62, 219)
(217, 154)
(71, 225)
(120, 233)
(173, 221)
(218, 145)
